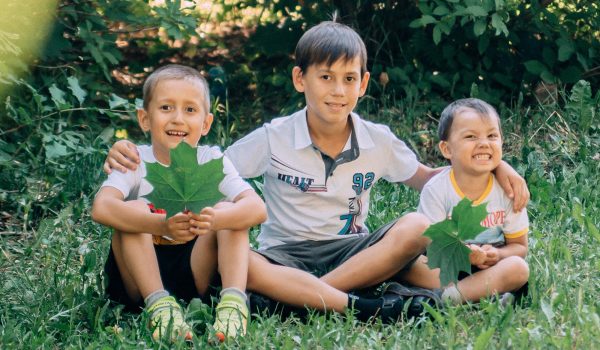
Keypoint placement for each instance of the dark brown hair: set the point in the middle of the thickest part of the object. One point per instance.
(328, 42)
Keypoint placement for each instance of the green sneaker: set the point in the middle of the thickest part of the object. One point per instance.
(231, 317)
(166, 317)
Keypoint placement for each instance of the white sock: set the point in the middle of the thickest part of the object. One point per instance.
(452, 294)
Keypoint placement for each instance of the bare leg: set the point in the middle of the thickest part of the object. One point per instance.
(137, 262)
(225, 250)
(293, 286)
(204, 261)
(233, 258)
(384, 259)
(420, 275)
(507, 275)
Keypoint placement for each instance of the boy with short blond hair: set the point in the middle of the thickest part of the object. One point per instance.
(151, 257)
(471, 139)
(319, 166)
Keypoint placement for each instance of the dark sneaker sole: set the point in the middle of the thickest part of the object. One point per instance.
(419, 297)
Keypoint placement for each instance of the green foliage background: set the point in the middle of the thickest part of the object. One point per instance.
(61, 109)
(59, 113)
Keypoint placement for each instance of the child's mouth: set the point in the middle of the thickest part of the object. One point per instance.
(482, 156)
(176, 133)
(336, 105)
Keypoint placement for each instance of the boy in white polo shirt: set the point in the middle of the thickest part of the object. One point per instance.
(319, 166)
(471, 138)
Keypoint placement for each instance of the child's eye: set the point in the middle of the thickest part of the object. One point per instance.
(190, 109)
(326, 77)
(493, 136)
(471, 137)
(166, 108)
(350, 79)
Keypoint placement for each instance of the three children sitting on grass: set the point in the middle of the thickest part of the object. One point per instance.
(319, 166)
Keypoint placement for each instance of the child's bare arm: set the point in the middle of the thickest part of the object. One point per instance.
(514, 247)
(110, 209)
(247, 210)
(513, 184)
(121, 156)
(420, 178)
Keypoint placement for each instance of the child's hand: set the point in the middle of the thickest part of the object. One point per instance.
(121, 156)
(178, 228)
(492, 256)
(202, 223)
(477, 256)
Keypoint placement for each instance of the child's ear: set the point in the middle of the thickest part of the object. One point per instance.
(143, 119)
(364, 83)
(206, 124)
(445, 149)
(297, 79)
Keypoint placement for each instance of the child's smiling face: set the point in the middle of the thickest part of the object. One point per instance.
(175, 113)
(474, 145)
(331, 92)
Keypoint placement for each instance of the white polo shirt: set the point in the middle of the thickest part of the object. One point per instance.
(441, 194)
(133, 184)
(303, 202)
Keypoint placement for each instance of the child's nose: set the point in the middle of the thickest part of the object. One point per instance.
(483, 142)
(178, 116)
(338, 88)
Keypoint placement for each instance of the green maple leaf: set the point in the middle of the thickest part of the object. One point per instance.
(447, 249)
(185, 184)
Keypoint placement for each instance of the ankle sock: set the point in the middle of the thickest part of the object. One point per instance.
(365, 308)
(234, 291)
(154, 297)
(452, 295)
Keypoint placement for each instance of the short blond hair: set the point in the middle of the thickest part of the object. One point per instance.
(175, 72)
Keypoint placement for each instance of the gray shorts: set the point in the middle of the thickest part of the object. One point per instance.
(320, 257)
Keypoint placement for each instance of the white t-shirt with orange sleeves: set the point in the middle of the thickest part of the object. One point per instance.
(441, 194)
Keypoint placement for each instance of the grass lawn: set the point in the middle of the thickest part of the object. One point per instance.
(52, 295)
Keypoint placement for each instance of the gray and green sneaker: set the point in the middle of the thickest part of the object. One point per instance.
(166, 318)
(231, 317)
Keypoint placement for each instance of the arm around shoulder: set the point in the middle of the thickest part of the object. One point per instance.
(513, 184)
(421, 176)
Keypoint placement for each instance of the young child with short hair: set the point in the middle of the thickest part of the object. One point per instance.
(151, 257)
(471, 139)
(319, 166)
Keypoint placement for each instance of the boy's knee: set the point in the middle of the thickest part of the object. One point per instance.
(409, 231)
(417, 223)
(518, 269)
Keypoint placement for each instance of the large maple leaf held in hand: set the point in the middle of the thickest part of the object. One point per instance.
(185, 184)
(447, 249)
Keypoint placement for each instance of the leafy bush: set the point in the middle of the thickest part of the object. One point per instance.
(437, 48)
(58, 120)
